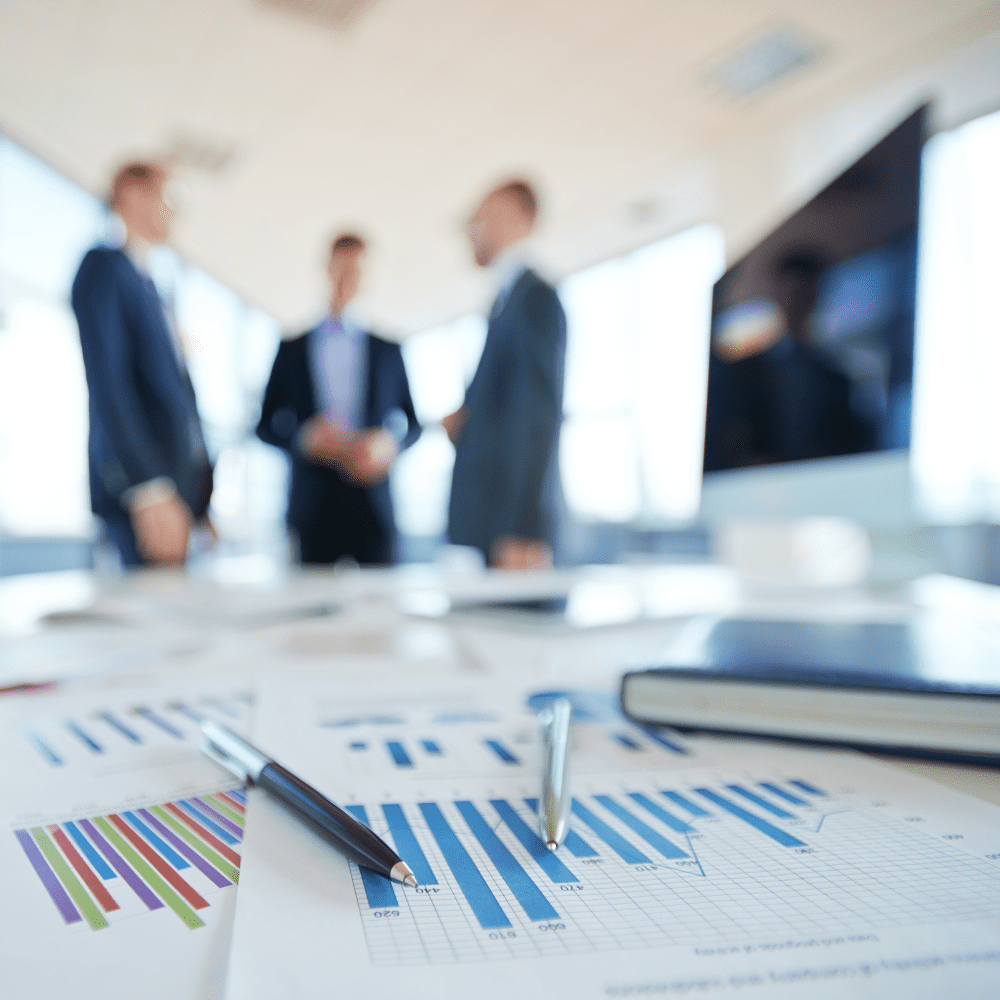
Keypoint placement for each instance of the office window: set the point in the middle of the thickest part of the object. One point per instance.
(956, 405)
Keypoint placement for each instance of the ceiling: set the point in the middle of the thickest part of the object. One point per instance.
(394, 124)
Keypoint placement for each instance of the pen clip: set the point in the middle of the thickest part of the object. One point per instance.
(231, 764)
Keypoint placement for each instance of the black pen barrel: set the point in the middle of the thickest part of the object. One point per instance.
(352, 838)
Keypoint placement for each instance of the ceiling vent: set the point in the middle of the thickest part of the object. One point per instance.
(197, 151)
(762, 62)
(330, 13)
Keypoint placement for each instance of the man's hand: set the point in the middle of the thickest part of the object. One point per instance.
(453, 424)
(162, 531)
(509, 552)
(324, 439)
(369, 457)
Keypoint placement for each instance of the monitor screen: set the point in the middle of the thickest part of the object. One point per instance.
(812, 330)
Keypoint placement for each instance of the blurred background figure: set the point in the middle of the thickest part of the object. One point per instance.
(504, 485)
(338, 403)
(150, 475)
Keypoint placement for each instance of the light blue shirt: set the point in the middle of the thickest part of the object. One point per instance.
(337, 358)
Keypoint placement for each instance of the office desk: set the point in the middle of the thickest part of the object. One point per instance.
(242, 616)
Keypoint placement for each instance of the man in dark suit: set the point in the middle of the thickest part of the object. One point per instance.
(338, 402)
(505, 481)
(150, 476)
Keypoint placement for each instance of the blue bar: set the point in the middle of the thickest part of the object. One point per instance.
(615, 841)
(532, 843)
(399, 755)
(483, 903)
(192, 713)
(626, 741)
(684, 803)
(782, 794)
(81, 735)
(575, 844)
(660, 737)
(359, 745)
(157, 720)
(531, 898)
(165, 849)
(219, 831)
(501, 751)
(431, 747)
(785, 839)
(90, 852)
(238, 793)
(116, 723)
(664, 846)
(660, 813)
(758, 801)
(407, 846)
(42, 747)
(378, 888)
(806, 787)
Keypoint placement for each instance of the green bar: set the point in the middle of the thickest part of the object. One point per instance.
(70, 882)
(224, 809)
(233, 874)
(152, 879)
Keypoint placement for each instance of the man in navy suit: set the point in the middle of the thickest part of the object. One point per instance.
(150, 476)
(338, 403)
(505, 481)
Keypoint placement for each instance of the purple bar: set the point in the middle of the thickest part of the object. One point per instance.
(118, 863)
(52, 885)
(193, 856)
(233, 828)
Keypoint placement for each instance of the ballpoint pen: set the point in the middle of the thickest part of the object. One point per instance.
(554, 805)
(348, 835)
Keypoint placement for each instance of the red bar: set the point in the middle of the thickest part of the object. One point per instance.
(90, 880)
(223, 849)
(241, 809)
(166, 872)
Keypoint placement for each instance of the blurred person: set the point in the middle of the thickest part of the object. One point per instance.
(338, 403)
(150, 475)
(505, 481)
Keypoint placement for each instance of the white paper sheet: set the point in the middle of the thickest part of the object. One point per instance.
(737, 867)
(119, 842)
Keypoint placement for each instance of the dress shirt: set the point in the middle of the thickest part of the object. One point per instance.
(337, 358)
(506, 268)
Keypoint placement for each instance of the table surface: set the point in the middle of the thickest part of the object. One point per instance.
(243, 615)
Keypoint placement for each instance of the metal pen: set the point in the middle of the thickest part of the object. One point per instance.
(349, 836)
(554, 804)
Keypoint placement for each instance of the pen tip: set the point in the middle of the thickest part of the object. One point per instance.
(552, 845)
(410, 881)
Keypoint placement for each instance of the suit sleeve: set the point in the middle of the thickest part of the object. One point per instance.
(537, 407)
(112, 359)
(279, 422)
(413, 428)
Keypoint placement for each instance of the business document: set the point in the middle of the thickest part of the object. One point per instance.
(694, 867)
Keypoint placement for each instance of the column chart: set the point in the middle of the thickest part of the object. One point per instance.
(174, 855)
(699, 863)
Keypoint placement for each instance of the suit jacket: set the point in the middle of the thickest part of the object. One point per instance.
(505, 480)
(332, 516)
(143, 416)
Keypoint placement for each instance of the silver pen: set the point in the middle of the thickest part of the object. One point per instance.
(554, 805)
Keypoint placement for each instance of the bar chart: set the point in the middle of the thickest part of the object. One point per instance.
(85, 736)
(170, 856)
(699, 863)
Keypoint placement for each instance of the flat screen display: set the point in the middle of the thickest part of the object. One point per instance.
(812, 330)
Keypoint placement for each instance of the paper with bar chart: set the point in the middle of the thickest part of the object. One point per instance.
(709, 860)
(119, 841)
